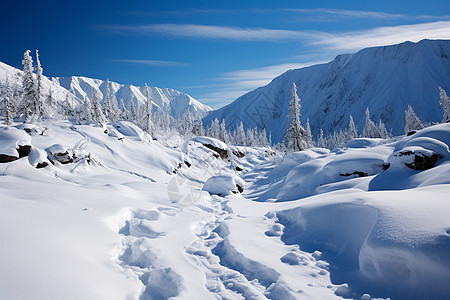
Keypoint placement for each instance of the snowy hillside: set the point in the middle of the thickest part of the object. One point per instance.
(384, 79)
(89, 213)
(166, 100)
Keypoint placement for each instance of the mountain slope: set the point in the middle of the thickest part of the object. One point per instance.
(384, 79)
(165, 100)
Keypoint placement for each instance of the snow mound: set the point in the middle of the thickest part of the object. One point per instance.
(223, 185)
(363, 143)
(129, 129)
(11, 138)
(210, 141)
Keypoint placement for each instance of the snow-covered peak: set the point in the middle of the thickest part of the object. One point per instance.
(165, 100)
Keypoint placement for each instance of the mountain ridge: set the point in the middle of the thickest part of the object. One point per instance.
(385, 79)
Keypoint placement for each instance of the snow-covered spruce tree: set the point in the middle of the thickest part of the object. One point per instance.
(240, 135)
(321, 139)
(214, 129)
(124, 113)
(87, 112)
(223, 133)
(133, 112)
(308, 134)
(370, 130)
(106, 108)
(40, 103)
(147, 117)
(445, 104)
(30, 100)
(352, 130)
(295, 134)
(412, 122)
(197, 128)
(97, 112)
(382, 129)
(8, 104)
(50, 103)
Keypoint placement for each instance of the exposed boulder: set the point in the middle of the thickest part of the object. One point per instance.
(60, 154)
(14, 144)
(217, 146)
(416, 158)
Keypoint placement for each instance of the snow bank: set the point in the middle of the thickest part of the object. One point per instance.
(223, 185)
(210, 141)
(11, 138)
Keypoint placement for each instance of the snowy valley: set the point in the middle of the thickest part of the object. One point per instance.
(98, 202)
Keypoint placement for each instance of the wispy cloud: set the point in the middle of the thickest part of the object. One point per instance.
(236, 83)
(157, 63)
(352, 40)
(210, 32)
(379, 36)
(357, 14)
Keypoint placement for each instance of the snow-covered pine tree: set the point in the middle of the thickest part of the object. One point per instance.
(133, 111)
(370, 130)
(115, 111)
(263, 142)
(295, 134)
(250, 137)
(352, 130)
(97, 112)
(214, 130)
(147, 119)
(445, 104)
(50, 103)
(308, 134)
(197, 128)
(30, 101)
(87, 113)
(124, 113)
(240, 134)
(106, 108)
(321, 139)
(40, 103)
(223, 134)
(412, 122)
(8, 103)
(382, 129)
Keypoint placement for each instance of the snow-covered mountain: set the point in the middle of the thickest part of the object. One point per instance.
(384, 79)
(165, 100)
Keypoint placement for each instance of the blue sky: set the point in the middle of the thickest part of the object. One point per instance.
(215, 51)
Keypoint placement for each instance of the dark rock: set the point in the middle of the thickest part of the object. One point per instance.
(222, 152)
(238, 168)
(64, 157)
(411, 132)
(240, 188)
(423, 162)
(24, 150)
(238, 154)
(187, 164)
(7, 158)
(386, 166)
(360, 174)
(41, 165)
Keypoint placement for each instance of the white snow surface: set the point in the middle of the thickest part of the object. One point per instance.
(384, 79)
(128, 219)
